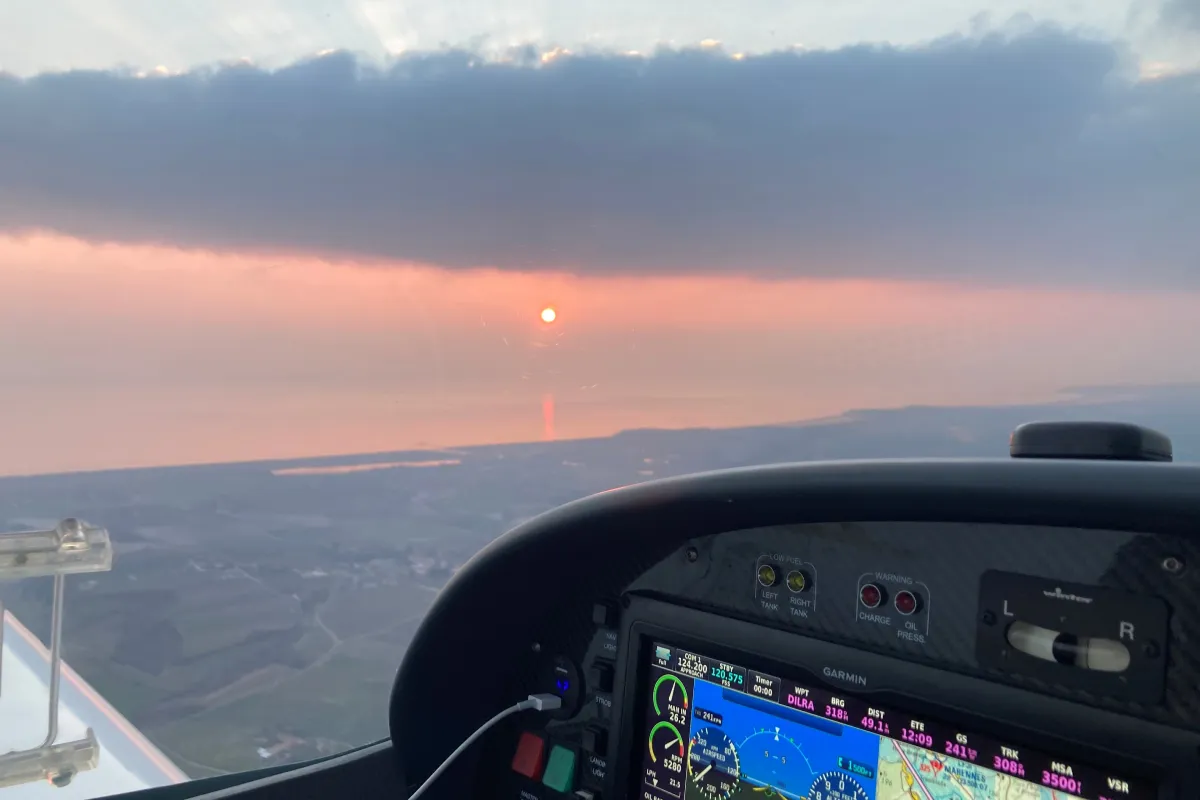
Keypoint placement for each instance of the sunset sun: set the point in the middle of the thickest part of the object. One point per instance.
(549, 315)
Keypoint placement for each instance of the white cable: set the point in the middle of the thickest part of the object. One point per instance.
(538, 702)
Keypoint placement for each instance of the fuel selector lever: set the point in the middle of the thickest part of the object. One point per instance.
(1085, 652)
(1096, 639)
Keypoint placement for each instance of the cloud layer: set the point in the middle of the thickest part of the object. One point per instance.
(1183, 14)
(1001, 159)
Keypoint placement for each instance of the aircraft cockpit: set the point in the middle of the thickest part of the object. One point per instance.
(1011, 629)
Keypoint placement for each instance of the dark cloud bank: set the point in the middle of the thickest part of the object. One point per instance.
(1027, 158)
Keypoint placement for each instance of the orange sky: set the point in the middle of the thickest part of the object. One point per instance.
(121, 356)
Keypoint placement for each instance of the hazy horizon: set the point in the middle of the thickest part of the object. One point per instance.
(1130, 403)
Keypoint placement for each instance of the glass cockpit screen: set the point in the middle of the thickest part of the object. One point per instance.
(719, 731)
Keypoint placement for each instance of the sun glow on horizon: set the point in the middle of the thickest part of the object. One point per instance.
(255, 356)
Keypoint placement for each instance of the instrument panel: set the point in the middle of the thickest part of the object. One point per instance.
(916, 631)
(949, 593)
(1083, 615)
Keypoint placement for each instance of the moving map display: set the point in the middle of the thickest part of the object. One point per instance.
(720, 731)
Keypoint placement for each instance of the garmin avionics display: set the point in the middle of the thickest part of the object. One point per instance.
(719, 731)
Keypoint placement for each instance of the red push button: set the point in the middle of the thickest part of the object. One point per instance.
(531, 751)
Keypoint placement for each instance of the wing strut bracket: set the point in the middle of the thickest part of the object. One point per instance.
(71, 547)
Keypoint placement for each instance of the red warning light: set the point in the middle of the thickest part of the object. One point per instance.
(870, 595)
(906, 602)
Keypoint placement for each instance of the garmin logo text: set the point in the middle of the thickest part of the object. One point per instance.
(1058, 594)
(843, 676)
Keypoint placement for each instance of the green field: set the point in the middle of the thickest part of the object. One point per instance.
(332, 707)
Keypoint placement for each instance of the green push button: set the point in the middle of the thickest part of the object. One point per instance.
(560, 769)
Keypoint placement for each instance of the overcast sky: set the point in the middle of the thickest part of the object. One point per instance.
(851, 204)
(41, 35)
